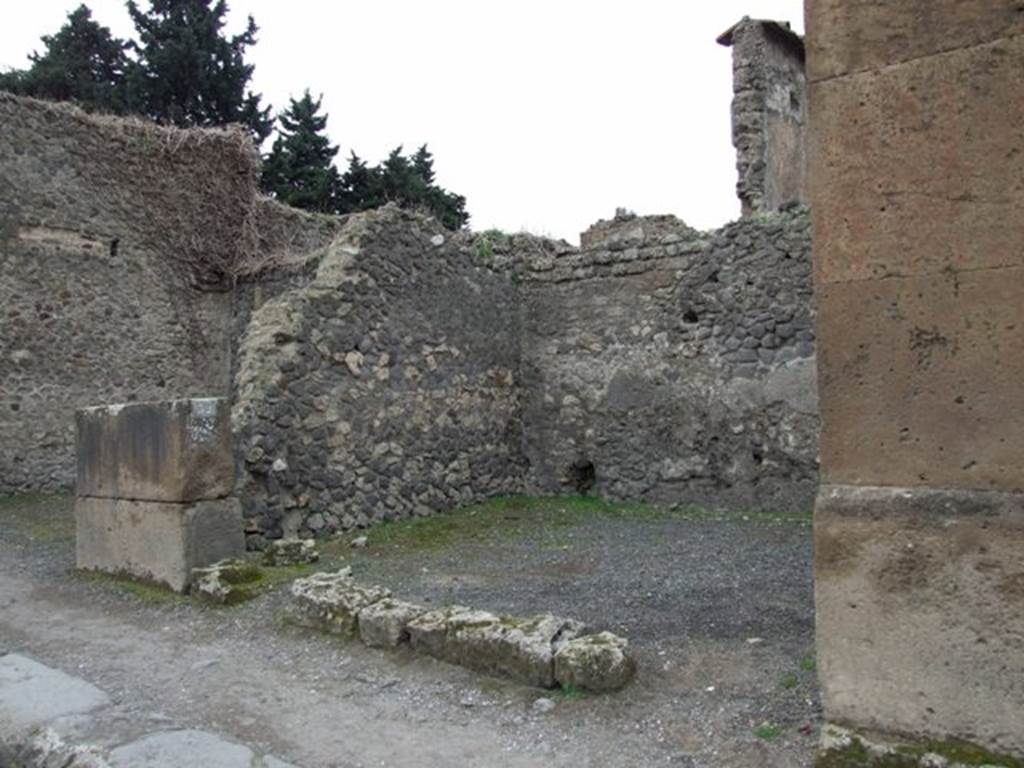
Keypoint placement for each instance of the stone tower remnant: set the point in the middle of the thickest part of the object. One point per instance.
(769, 113)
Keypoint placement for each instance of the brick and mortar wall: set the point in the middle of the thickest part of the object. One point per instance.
(102, 224)
(676, 365)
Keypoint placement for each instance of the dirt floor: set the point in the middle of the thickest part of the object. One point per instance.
(719, 609)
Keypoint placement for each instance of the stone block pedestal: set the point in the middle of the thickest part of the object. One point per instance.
(156, 541)
(153, 490)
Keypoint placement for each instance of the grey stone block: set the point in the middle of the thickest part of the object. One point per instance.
(332, 601)
(385, 624)
(181, 749)
(156, 541)
(598, 663)
(175, 450)
(32, 694)
(519, 649)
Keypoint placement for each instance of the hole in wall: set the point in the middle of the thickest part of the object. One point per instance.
(582, 475)
(113, 246)
(690, 316)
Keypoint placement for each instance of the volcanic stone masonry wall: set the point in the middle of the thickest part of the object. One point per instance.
(384, 386)
(379, 365)
(102, 224)
(665, 364)
(400, 369)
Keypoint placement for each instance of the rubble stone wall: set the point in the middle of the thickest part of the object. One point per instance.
(383, 387)
(769, 114)
(102, 224)
(381, 366)
(674, 366)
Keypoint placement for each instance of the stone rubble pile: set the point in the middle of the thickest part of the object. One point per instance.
(542, 650)
(285, 552)
(227, 582)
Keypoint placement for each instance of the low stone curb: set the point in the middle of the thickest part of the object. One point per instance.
(542, 650)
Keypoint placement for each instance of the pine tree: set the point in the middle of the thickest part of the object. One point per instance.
(82, 62)
(407, 181)
(188, 73)
(300, 168)
(360, 187)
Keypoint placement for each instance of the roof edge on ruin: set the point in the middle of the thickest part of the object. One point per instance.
(780, 30)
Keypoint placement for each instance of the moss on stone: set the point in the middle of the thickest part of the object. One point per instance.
(242, 573)
(143, 591)
(510, 517)
(856, 754)
(969, 754)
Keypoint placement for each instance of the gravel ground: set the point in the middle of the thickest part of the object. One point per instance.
(719, 611)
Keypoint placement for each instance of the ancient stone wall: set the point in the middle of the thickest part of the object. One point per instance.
(108, 229)
(381, 366)
(769, 114)
(674, 366)
(383, 387)
(917, 156)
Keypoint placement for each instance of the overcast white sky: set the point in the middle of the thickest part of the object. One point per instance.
(545, 114)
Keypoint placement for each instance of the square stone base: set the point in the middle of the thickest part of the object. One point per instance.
(919, 597)
(156, 541)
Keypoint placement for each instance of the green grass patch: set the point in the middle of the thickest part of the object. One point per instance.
(571, 693)
(508, 517)
(767, 731)
(45, 518)
(489, 242)
(789, 681)
(143, 591)
(808, 664)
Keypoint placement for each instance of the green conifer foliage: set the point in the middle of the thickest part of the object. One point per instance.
(188, 73)
(81, 62)
(407, 181)
(300, 168)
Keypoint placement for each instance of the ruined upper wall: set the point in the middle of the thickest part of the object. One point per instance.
(385, 386)
(769, 114)
(383, 366)
(675, 366)
(106, 228)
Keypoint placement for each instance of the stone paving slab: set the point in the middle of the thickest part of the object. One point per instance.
(34, 697)
(181, 749)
